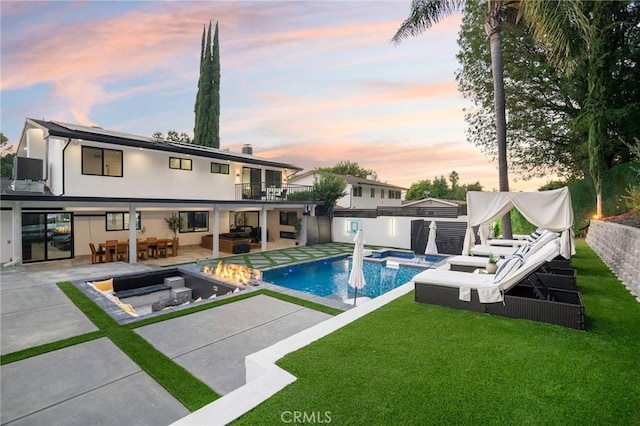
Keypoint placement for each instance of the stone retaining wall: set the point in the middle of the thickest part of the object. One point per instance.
(619, 248)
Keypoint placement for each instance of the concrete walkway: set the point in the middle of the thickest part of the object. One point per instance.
(95, 382)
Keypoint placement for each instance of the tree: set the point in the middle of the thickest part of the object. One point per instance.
(439, 188)
(548, 126)
(419, 190)
(540, 101)
(328, 189)
(215, 95)
(207, 106)
(602, 114)
(548, 22)
(173, 136)
(350, 168)
(6, 158)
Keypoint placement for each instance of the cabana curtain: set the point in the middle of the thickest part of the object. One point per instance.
(550, 210)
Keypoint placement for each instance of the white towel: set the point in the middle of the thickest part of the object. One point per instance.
(465, 294)
(489, 294)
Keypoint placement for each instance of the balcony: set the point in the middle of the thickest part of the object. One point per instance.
(277, 193)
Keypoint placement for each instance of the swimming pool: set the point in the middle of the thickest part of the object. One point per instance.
(330, 276)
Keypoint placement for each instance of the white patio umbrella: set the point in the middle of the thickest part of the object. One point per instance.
(431, 244)
(356, 277)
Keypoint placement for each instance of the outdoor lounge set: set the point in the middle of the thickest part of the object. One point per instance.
(534, 280)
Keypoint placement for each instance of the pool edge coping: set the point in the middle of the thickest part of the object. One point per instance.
(264, 378)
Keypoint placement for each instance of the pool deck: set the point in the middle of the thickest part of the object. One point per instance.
(95, 382)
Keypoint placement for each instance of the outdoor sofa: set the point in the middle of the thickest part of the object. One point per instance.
(229, 242)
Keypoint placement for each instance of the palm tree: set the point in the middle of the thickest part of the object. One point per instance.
(551, 23)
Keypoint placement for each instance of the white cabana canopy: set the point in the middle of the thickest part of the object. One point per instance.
(550, 210)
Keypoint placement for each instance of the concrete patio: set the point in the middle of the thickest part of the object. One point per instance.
(95, 382)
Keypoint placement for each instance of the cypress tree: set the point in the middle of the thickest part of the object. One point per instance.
(200, 84)
(203, 101)
(215, 92)
(207, 106)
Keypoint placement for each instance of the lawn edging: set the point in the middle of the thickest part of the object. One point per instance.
(264, 378)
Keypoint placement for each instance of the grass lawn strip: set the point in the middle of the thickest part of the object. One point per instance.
(50, 347)
(412, 363)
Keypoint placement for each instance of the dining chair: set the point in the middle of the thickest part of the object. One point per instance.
(142, 249)
(152, 244)
(97, 256)
(162, 248)
(122, 251)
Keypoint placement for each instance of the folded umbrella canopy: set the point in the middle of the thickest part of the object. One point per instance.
(356, 277)
(431, 243)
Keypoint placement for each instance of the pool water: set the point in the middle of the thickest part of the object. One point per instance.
(330, 277)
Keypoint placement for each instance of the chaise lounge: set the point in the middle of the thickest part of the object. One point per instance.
(515, 291)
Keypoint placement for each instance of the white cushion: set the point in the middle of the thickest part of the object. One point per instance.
(523, 250)
(510, 265)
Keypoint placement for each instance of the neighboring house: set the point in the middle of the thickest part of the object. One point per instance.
(361, 193)
(74, 185)
(435, 207)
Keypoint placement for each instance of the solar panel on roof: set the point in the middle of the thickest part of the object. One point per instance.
(105, 132)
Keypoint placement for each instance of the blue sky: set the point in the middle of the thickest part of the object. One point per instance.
(307, 82)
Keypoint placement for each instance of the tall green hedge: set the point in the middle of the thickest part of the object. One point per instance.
(615, 185)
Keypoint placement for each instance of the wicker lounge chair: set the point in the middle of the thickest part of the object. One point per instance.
(521, 293)
(504, 251)
(479, 260)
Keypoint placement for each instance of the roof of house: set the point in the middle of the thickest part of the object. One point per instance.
(97, 134)
(351, 180)
(450, 203)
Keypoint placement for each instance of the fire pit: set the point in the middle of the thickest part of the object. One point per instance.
(230, 273)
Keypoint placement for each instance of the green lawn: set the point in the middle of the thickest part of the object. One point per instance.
(411, 363)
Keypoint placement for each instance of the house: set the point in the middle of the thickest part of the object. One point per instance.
(361, 193)
(75, 184)
(435, 207)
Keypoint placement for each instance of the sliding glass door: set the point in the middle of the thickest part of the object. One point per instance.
(47, 236)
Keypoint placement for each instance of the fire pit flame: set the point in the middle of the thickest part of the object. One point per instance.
(237, 274)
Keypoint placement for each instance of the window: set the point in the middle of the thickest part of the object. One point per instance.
(395, 194)
(357, 191)
(373, 193)
(382, 193)
(194, 221)
(273, 178)
(179, 163)
(119, 221)
(101, 162)
(220, 168)
(288, 218)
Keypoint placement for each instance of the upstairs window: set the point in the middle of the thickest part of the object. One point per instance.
(373, 193)
(273, 178)
(357, 191)
(101, 162)
(382, 193)
(180, 163)
(220, 168)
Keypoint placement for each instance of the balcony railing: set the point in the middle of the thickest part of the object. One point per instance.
(277, 193)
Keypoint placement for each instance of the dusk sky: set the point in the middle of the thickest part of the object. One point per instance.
(306, 82)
